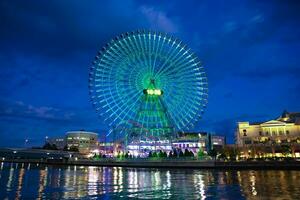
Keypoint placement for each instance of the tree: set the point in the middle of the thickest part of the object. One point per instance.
(200, 153)
(192, 154)
(48, 146)
(126, 155)
(54, 147)
(180, 153)
(160, 154)
(233, 153)
(66, 148)
(286, 150)
(165, 154)
(96, 157)
(187, 153)
(222, 156)
(119, 154)
(174, 154)
(212, 153)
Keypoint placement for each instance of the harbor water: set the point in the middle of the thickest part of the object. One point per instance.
(33, 181)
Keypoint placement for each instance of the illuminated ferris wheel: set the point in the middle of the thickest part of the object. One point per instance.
(151, 80)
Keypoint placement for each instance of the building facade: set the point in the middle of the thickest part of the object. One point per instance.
(59, 142)
(83, 140)
(217, 142)
(194, 141)
(285, 130)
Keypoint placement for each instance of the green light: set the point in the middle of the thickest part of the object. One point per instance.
(155, 92)
(150, 92)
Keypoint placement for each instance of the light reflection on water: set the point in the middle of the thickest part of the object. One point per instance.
(29, 181)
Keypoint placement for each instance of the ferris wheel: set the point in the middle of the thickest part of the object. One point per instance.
(140, 71)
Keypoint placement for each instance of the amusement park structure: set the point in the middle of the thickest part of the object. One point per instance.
(148, 86)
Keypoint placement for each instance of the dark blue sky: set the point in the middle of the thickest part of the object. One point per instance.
(250, 50)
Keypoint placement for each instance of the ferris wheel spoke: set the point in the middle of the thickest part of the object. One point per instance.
(176, 57)
(144, 51)
(177, 69)
(124, 109)
(140, 49)
(124, 67)
(130, 45)
(158, 48)
(136, 49)
(184, 67)
(150, 51)
(123, 44)
(147, 50)
(169, 56)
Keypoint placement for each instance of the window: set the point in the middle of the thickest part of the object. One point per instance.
(280, 132)
(267, 133)
(247, 141)
(245, 132)
(287, 132)
(260, 133)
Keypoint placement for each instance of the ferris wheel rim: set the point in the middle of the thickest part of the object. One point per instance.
(181, 115)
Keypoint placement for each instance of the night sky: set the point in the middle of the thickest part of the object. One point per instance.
(250, 50)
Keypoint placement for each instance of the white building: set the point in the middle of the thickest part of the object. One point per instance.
(59, 142)
(283, 130)
(83, 140)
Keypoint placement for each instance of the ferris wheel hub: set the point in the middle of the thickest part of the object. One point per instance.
(155, 64)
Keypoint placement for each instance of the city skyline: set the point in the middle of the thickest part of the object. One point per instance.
(248, 49)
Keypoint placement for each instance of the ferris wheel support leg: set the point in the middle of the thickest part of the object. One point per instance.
(126, 143)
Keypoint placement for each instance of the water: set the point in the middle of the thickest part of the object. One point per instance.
(29, 181)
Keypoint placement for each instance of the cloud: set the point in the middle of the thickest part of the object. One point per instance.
(19, 109)
(47, 47)
(159, 19)
(20, 120)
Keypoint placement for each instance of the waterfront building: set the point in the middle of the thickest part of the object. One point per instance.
(191, 141)
(217, 141)
(271, 135)
(195, 140)
(38, 154)
(59, 142)
(85, 141)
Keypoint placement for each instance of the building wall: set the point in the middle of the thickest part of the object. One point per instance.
(194, 141)
(59, 142)
(83, 140)
(267, 133)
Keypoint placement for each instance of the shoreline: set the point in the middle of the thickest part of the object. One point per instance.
(180, 164)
